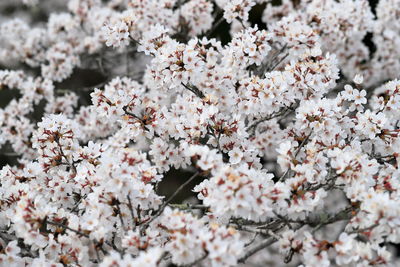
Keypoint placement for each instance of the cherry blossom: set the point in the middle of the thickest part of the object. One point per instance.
(187, 133)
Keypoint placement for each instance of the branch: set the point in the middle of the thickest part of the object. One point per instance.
(161, 209)
(363, 230)
(277, 63)
(66, 227)
(325, 219)
(273, 237)
(215, 24)
(252, 128)
(131, 210)
(295, 155)
(194, 90)
(319, 221)
(125, 109)
(263, 244)
(189, 206)
(70, 164)
(270, 66)
(196, 262)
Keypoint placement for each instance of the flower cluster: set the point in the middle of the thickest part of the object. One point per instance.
(145, 133)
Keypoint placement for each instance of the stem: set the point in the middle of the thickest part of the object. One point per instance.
(215, 26)
(67, 228)
(188, 206)
(285, 111)
(131, 209)
(80, 233)
(263, 244)
(161, 209)
(194, 90)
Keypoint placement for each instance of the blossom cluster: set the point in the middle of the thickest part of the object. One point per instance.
(277, 145)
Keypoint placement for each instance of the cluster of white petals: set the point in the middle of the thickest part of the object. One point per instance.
(182, 133)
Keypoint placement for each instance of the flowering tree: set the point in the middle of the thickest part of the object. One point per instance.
(289, 130)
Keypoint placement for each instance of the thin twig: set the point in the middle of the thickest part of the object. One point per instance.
(252, 240)
(362, 230)
(194, 90)
(80, 233)
(216, 24)
(189, 206)
(282, 112)
(283, 177)
(77, 204)
(263, 244)
(131, 209)
(120, 217)
(301, 145)
(279, 62)
(67, 228)
(196, 262)
(165, 204)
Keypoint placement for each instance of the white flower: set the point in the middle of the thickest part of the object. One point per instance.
(358, 79)
(117, 35)
(359, 97)
(235, 155)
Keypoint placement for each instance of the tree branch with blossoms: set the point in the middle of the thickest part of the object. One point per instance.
(155, 133)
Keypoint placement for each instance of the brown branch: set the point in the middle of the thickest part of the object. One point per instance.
(194, 90)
